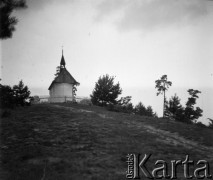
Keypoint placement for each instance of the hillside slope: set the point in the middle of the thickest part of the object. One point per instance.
(64, 141)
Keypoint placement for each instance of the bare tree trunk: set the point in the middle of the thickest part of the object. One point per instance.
(164, 99)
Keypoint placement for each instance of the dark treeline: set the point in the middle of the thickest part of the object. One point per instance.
(18, 95)
(106, 94)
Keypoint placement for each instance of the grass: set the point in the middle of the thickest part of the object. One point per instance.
(71, 141)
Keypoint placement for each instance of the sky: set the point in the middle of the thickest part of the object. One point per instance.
(137, 41)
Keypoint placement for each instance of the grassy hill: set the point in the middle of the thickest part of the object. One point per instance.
(64, 141)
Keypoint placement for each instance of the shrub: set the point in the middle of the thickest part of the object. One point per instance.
(35, 99)
(86, 102)
(140, 109)
(121, 108)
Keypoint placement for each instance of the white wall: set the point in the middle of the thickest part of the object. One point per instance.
(61, 92)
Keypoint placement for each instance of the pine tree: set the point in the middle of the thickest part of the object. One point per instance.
(191, 113)
(140, 109)
(105, 91)
(162, 86)
(150, 112)
(174, 109)
(21, 94)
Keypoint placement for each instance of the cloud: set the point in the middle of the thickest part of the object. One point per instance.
(107, 7)
(151, 14)
(40, 4)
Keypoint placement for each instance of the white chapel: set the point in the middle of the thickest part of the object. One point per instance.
(62, 87)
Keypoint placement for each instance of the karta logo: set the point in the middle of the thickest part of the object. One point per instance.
(137, 167)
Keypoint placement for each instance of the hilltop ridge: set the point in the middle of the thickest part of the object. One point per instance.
(72, 141)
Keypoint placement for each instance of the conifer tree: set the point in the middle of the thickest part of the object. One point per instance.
(173, 108)
(21, 94)
(140, 109)
(162, 86)
(105, 91)
(192, 113)
(150, 112)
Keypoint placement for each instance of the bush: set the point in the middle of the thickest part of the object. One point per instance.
(123, 105)
(121, 108)
(140, 109)
(35, 99)
(86, 102)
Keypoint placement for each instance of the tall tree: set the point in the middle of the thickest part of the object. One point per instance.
(21, 94)
(162, 86)
(192, 113)
(105, 91)
(8, 22)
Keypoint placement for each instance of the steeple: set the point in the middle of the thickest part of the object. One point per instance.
(62, 60)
